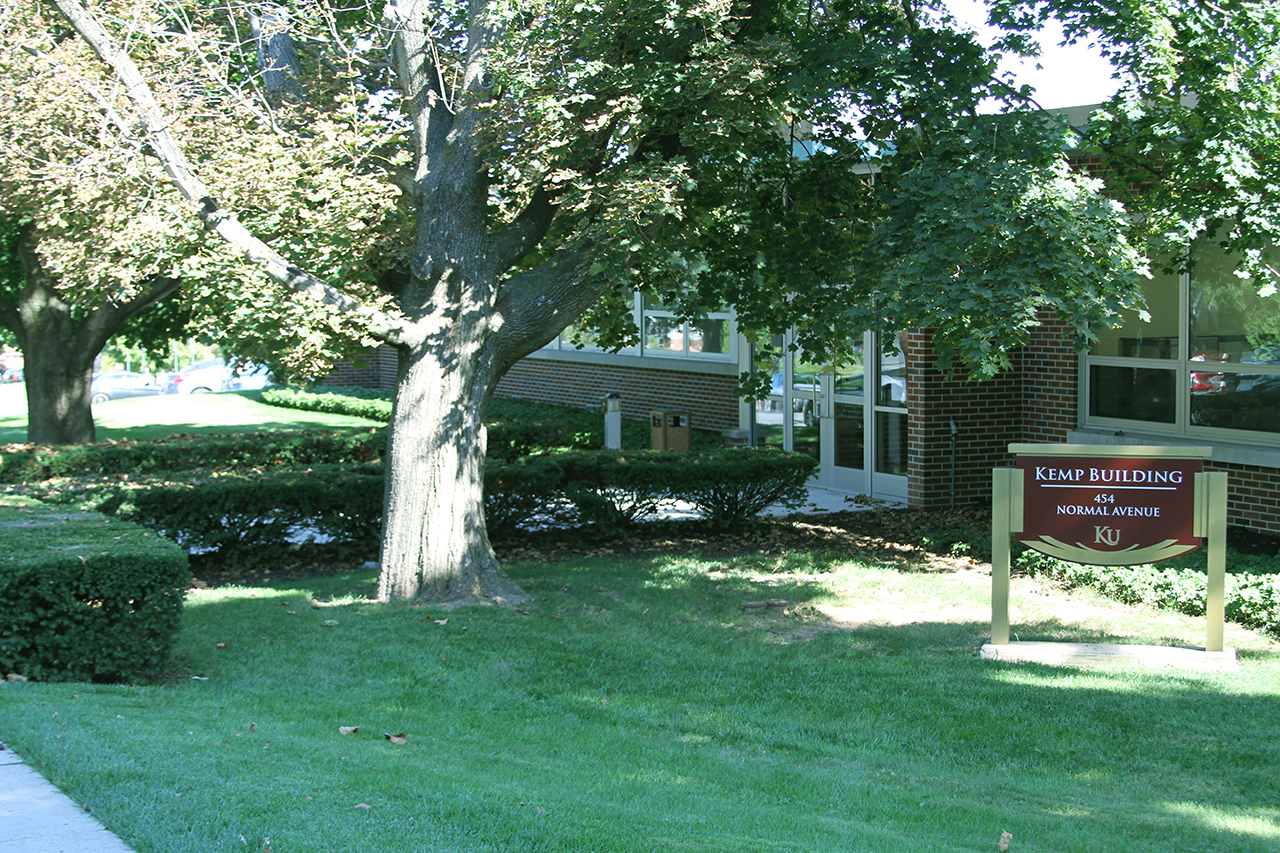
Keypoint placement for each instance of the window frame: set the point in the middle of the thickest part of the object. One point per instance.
(1182, 367)
(640, 315)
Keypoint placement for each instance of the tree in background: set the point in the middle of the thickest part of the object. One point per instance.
(95, 241)
(821, 167)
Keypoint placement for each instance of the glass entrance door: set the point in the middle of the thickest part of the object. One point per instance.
(850, 417)
(889, 422)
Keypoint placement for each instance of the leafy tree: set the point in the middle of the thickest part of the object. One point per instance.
(81, 244)
(1191, 144)
(96, 241)
(820, 166)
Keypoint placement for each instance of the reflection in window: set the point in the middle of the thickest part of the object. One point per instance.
(1138, 338)
(1229, 321)
(577, 336)
(664, 334)
(709, 336)
(892, 390)
(1133, 393)
(891, 443)
(1220, 335)
(1249, 401)
(850, 436)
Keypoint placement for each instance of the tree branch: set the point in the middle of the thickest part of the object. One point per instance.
(154, 128)
(537, 304)
(105, 321)
(525, 231)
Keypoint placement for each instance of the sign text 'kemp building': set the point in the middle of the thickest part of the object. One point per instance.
(1112, 510)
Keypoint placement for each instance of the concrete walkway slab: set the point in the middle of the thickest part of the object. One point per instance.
(36, 817)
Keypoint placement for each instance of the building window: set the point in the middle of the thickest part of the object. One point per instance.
(664, 335)
(1206, 363)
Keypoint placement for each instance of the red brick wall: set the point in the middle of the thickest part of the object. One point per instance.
(707, 397)
(1050, 379)
(988, 417)
(1253, 496)
(378, 370)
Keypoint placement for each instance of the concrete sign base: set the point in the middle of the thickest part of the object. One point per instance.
(1106, 654)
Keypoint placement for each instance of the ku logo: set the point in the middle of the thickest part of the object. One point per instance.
(1106, 535)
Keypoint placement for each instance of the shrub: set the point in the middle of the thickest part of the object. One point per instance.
(731, 487)
(83, 597)
(34, 463)
(373, 404)
(615, 489)
(1252, 600)
(255, 515)
(520, 492)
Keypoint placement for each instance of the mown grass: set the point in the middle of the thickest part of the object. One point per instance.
(142, 418)
(634, 706)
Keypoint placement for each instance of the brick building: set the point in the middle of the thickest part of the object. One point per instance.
(1202, 370)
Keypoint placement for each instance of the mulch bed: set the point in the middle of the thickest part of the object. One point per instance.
(881, 534)
(887, 535)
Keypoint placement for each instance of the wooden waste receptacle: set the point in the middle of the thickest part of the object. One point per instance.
(670, 431)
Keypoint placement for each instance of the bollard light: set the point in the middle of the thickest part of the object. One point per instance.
(612, 405)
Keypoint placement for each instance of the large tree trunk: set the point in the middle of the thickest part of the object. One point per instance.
(57, 380)
(434, 541)
(57, 369)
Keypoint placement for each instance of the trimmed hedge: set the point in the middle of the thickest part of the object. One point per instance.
(26, 463)
(357, 402)
(1252, 600)
(83, 597)
(729, 487)
(257, 512)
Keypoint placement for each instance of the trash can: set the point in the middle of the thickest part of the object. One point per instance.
(670, 431)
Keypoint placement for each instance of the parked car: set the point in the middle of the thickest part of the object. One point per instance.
(251, 377)
(118, 384)
(202, 377)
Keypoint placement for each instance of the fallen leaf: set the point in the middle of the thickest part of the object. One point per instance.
(400, 739)
(220, 646)
(329, 623)
(252, 726)
(1005, 838)
(363, 806)
(442, 621)
(348, 730)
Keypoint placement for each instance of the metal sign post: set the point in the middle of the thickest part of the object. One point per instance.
(1111, 506)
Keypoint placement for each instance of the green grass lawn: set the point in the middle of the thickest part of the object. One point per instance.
(143, 418)
(635, 707)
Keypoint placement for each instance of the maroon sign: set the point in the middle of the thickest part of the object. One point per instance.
(1113, 510)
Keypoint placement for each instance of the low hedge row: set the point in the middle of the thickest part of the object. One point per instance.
(356, 402)
(260, 511)
(28, 463)
(1252, 600)
(84, 597)
(514, 430)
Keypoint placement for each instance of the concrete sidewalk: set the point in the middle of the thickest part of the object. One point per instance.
(36, 817)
